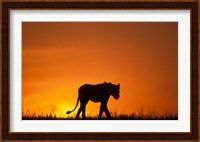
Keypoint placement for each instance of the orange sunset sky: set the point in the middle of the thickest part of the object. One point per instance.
(59, 57)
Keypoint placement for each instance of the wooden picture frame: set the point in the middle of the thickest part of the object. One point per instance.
(7, 135)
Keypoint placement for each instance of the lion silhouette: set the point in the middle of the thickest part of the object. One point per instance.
(96, 93)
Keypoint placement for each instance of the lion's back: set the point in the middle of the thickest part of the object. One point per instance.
(91, 90)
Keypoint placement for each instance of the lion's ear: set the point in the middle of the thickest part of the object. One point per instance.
(118, 85)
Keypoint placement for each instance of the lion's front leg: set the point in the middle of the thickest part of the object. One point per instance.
(107, 112)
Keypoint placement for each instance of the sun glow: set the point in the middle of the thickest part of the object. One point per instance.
(58, 58)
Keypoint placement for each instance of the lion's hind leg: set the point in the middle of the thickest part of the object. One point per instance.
(78, 113)
(100, 111)
(82, 109)
(83, 113)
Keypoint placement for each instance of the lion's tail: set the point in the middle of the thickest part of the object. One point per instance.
(68, 112)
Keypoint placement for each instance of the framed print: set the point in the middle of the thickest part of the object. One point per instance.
(99, 71)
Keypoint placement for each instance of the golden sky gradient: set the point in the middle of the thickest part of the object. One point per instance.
(59, 57)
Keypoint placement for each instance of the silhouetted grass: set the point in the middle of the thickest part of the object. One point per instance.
(140, 115)
(118, 117)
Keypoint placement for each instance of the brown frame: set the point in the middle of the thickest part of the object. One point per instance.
(7, 135)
